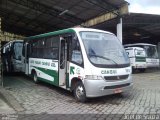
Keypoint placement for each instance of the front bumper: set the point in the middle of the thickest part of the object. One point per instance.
(137, 66)
(97, 88)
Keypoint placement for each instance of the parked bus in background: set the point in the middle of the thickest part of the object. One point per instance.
(137, 57)
(89, 62)
(11, 56)
(152, 59)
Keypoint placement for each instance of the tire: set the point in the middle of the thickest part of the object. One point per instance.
(79, 92)
(35, 78)
(119, 94)
(133, 70)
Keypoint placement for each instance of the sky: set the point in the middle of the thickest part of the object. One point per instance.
(144, 6)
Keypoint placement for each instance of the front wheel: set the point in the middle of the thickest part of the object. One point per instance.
(79, 92)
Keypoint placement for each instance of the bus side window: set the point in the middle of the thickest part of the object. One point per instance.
(51, 49)
(34, 51)
(40, 48)
(76, 52)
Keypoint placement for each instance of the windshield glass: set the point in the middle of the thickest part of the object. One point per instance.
(104, 49)
(139, 53)
(151, 51)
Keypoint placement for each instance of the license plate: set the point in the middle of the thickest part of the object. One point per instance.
(117, 90)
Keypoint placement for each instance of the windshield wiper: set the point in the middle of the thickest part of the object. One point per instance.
(103, 58)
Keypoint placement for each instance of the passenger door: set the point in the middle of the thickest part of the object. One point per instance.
(17, 56)
(25, 66)
(62, 62)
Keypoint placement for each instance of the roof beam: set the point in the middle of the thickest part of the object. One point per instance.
(17, 29)
(105, 17)
(100, 4)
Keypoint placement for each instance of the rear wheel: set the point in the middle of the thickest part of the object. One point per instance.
(133, 70)
(79, 92)
(35, 78)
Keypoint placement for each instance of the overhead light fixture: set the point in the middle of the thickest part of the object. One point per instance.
(63, 12)
(136, 34)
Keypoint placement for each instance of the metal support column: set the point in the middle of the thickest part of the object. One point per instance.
(119, 30)
(1, 66)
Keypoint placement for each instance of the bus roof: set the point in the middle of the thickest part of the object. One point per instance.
(69, 30)
(129, 48)
(12, 42)
(127, 45)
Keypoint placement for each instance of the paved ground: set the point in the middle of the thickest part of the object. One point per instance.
(45, 99)
(5, 108)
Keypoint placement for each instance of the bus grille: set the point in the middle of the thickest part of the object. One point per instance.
(120, 77)
(117, 86)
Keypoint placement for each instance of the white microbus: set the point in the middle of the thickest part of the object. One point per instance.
(89, 62)
(152, 59)
(137, 57)
(11, 56)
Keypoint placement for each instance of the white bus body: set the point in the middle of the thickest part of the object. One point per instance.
(137, 57)
(89, 62)
(11, 56)
(152, 59)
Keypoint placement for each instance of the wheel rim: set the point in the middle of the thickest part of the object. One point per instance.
(79, 91)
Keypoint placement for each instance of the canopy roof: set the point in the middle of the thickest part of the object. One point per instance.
(31, 17)
(137, 27)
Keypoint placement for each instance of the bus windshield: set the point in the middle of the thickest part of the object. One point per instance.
(104, 49)
(151, 51)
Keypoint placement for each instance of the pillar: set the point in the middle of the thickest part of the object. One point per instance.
(0, 54)
(119, 30)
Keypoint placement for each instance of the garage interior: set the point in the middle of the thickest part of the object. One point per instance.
(32, 17)
(137, 28)
(23, 18)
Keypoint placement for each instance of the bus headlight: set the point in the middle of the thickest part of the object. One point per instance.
(93, 77)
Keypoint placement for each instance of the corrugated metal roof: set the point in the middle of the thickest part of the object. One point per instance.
(32, 17)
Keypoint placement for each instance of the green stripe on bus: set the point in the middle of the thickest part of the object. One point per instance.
(140, 59)
(52, 73)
